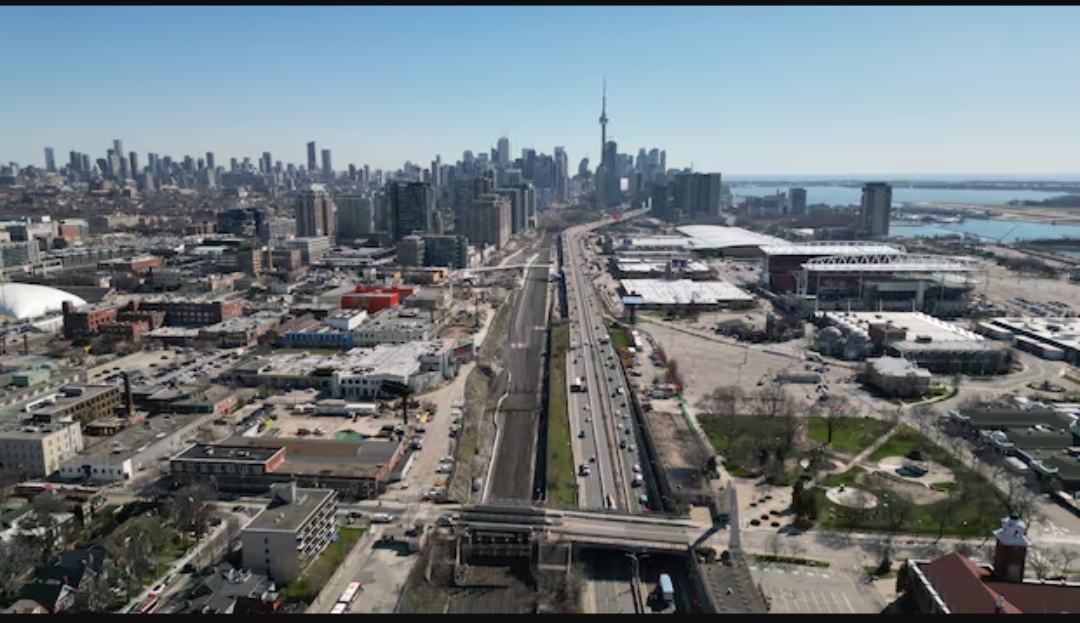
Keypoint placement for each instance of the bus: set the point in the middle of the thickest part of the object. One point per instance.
(351, 593)
(33, 488)
(148, 606)
(339, 608)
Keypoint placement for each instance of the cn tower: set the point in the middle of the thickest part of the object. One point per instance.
(603, 122)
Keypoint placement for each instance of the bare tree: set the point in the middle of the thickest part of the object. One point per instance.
(924, 418)
(1065, 558)
(724, 403)
(188, 509)
(836, 413)
(1018, 498)
(774, 544)
(15, 561)
(1039, 563)
(41, 527)
(944, 511)
(92, 594)
(898, 510)
(135, 547)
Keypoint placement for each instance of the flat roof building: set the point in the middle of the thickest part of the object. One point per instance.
(291, 532)
(658, 294)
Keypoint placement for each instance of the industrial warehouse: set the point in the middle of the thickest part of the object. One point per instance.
(936, 345)
(661, 294)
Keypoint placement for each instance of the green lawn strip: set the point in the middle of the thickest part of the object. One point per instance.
(561, 483)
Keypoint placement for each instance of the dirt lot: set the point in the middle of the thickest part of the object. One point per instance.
(706, 364)
(676, 446)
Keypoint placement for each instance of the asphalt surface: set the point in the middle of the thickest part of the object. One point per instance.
(519, 409)
(600, 412)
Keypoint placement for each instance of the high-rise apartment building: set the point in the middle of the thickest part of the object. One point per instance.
(312, 165)
(449, 251)
(412, 208)
(327, 167)
(488, 221)
(797, 201)
(355, 216)
(517, 207)
(133, 164)
(50, 160)
(876, 209)
(314, 213)
(410, 251)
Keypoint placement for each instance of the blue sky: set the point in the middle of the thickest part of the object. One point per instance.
(763, 90)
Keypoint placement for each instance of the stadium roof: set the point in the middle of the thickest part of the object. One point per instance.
(834, 247)
(717, 237)
(893, 264)
(27, 300)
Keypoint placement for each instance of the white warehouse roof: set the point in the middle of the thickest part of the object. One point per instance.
(27, 300)
(683, 292)
(717, 237)
(835, 247)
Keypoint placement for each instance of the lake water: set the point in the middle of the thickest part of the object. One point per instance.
(842, 196)
(1005, 231)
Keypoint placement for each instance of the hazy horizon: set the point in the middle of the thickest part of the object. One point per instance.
(819, 90)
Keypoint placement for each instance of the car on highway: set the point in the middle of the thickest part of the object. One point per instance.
(637, 469)
(583, 470)
(581, 434)
(622, 443)
(643, 499)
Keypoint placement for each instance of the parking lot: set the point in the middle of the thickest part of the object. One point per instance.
(328, 426)
(793, 589)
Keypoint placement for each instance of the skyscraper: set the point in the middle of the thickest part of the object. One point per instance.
(50, 160)
(876, 209)
(133, 164)
(210, 164)
(503, 153)
(797, 201)
(312, 165)
(355, 216)
(610, 181)
(314, 213)
(412, 208)
(327, 168)
(487, 221)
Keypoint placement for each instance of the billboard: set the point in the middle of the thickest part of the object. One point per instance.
(632, 300)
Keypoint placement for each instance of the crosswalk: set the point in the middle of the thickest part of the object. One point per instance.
(790, 570)
(1057, 539)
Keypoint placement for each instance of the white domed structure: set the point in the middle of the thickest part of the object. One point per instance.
(24, 301)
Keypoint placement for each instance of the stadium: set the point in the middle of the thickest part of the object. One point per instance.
(830, 275)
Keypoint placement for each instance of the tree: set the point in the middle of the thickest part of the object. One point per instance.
(804, 501)
(1065, 558)
(924, 418)
(1018, 498)
(898, 510)
(1039, 564)
(135, 546)
(93, 594)
(15, 561)
(836, 414)
(41, 529)
(187, 509)
(724, 403)
(944, 511)
(774, 544)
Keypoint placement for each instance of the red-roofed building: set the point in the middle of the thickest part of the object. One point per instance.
(954, 584)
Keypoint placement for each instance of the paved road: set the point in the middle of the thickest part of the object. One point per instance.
(610, 445)
(514, 463)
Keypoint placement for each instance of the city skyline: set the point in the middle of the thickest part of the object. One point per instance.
(913, 106)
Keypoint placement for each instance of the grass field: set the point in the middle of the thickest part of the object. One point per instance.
(972, 509)
(906, 440)
(561, 484)
(851, 436)
(497, 328)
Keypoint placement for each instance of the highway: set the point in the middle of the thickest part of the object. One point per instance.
(602, 412)
(518, 420)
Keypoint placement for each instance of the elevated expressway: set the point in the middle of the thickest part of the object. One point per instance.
(599, 529)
